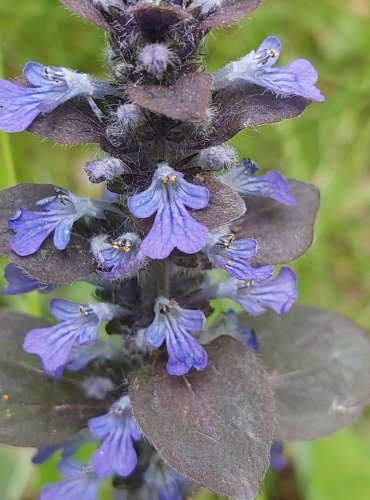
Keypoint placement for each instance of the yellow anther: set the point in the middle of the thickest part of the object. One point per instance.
(125, 246)
(274, 53)
(228, 242)
(168, 180)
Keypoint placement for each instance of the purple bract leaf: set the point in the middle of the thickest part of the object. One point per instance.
(224, 204)
(36, 410)
(154, 19)
(283, 233)
(246, 106)
(86, 9)
(48, 265)
(230, 12)
(70, 123)
(186, 100)
(320, 369)
(218, 423)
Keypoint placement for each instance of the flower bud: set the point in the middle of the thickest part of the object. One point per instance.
(217, 158)
(104, 170)
(155, 58)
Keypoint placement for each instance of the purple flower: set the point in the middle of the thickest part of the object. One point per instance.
(231, 255)
(168, 195)
(58, 214)
(82, 355)
(163, 480)
(227, 323)
(104, 170)
(278, 293)
(270, 185)
(69, 447)
(50, 88)
(174, 325)
(80, 483)
(297, 78)
(78, 323)
(277, 460)
(19, 282)
(117, 429)
(119, 258)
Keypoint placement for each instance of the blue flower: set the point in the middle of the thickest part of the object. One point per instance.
(69, 447)
(80, 483)
(51, 87)
(278, 293)
(119, 258)
(231, 255)
(117, 429)
(174, 325)
(168, 195)
(270, 185)
(277, 460)
(58, 214)
(297, 78)
(19, 282)
(163, 480)
(78, 323)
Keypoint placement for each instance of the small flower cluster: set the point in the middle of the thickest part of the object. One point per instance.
(154, 244)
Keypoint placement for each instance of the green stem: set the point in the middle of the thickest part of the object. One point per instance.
(8, 177)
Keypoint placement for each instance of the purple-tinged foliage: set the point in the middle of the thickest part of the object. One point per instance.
(118, 430)
(79, 323)
(174, 325)
(232, 255)
(278, 293)
(270, 185)
(119, 258)
(58, 215)
(51, 87)
(169, 196)
(80, 482)
(256, 68)
(19, 282)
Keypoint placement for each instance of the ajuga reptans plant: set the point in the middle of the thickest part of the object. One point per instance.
(171, 401)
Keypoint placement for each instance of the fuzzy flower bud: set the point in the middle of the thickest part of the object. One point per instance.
(155, 58)
(104, 170)
(217, 158)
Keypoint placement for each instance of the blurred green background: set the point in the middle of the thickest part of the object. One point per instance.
(328, 146)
